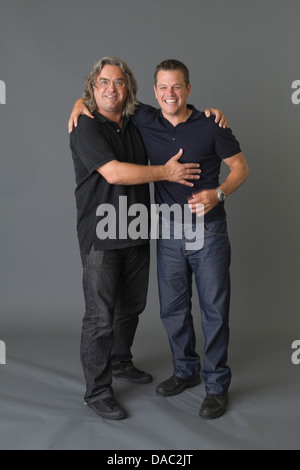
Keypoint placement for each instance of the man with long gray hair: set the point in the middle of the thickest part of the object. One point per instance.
(111, 164)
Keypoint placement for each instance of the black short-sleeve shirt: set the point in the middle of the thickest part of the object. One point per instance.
(94, 143)
(202, 141)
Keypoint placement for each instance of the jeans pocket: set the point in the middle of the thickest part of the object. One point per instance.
(95, 259)
(216, 227)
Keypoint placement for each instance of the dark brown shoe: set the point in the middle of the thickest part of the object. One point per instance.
(133, 375)
(174, 385)
(214, 406)
(108, 408)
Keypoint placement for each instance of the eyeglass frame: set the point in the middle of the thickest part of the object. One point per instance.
(118, 80)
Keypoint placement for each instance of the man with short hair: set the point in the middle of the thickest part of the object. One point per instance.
(177, 125)
(110, 163)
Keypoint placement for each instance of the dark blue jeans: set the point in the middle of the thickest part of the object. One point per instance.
(210, 266)
(115, 284)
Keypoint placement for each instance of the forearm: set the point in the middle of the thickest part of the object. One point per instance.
(116, 172)
(234, 180)
(122, 173)
(204, 201)
(239, 172)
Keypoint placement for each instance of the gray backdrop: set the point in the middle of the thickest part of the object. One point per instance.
(243, 58)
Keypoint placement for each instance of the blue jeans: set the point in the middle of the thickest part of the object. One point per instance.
(210, 266)
(115, 284)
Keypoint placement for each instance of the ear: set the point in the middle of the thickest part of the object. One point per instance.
(189, 89)
(155, 91)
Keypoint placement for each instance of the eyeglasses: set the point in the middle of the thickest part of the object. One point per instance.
(105, 83)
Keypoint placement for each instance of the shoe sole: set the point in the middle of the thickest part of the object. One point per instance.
(212, 416)
(133, 381)
(163, 393)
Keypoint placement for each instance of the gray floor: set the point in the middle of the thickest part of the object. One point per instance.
(41, 405)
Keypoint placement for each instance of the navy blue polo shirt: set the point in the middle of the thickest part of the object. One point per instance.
(202, 141)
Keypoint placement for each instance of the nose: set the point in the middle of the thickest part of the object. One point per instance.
(170, 90)
(112, 86)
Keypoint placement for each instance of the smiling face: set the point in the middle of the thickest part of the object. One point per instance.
(172, 93)
(110, 99)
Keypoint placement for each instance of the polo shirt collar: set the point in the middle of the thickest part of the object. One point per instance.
(195, 115)
(104, 119)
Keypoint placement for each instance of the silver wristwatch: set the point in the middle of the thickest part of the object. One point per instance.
(221, 195)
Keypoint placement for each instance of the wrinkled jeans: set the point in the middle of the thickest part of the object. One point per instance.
(210, 265)
(115, 284)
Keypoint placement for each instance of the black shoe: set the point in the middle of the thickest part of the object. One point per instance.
(174, 385)
(214, 406)
(133, 375)
(108, 408)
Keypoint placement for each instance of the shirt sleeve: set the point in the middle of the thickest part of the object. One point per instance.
(141, 113)
(226, 145)
(91, 145)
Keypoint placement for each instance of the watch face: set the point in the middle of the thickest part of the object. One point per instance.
(221, 195)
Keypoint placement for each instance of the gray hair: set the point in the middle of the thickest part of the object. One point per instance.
(88, 95)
